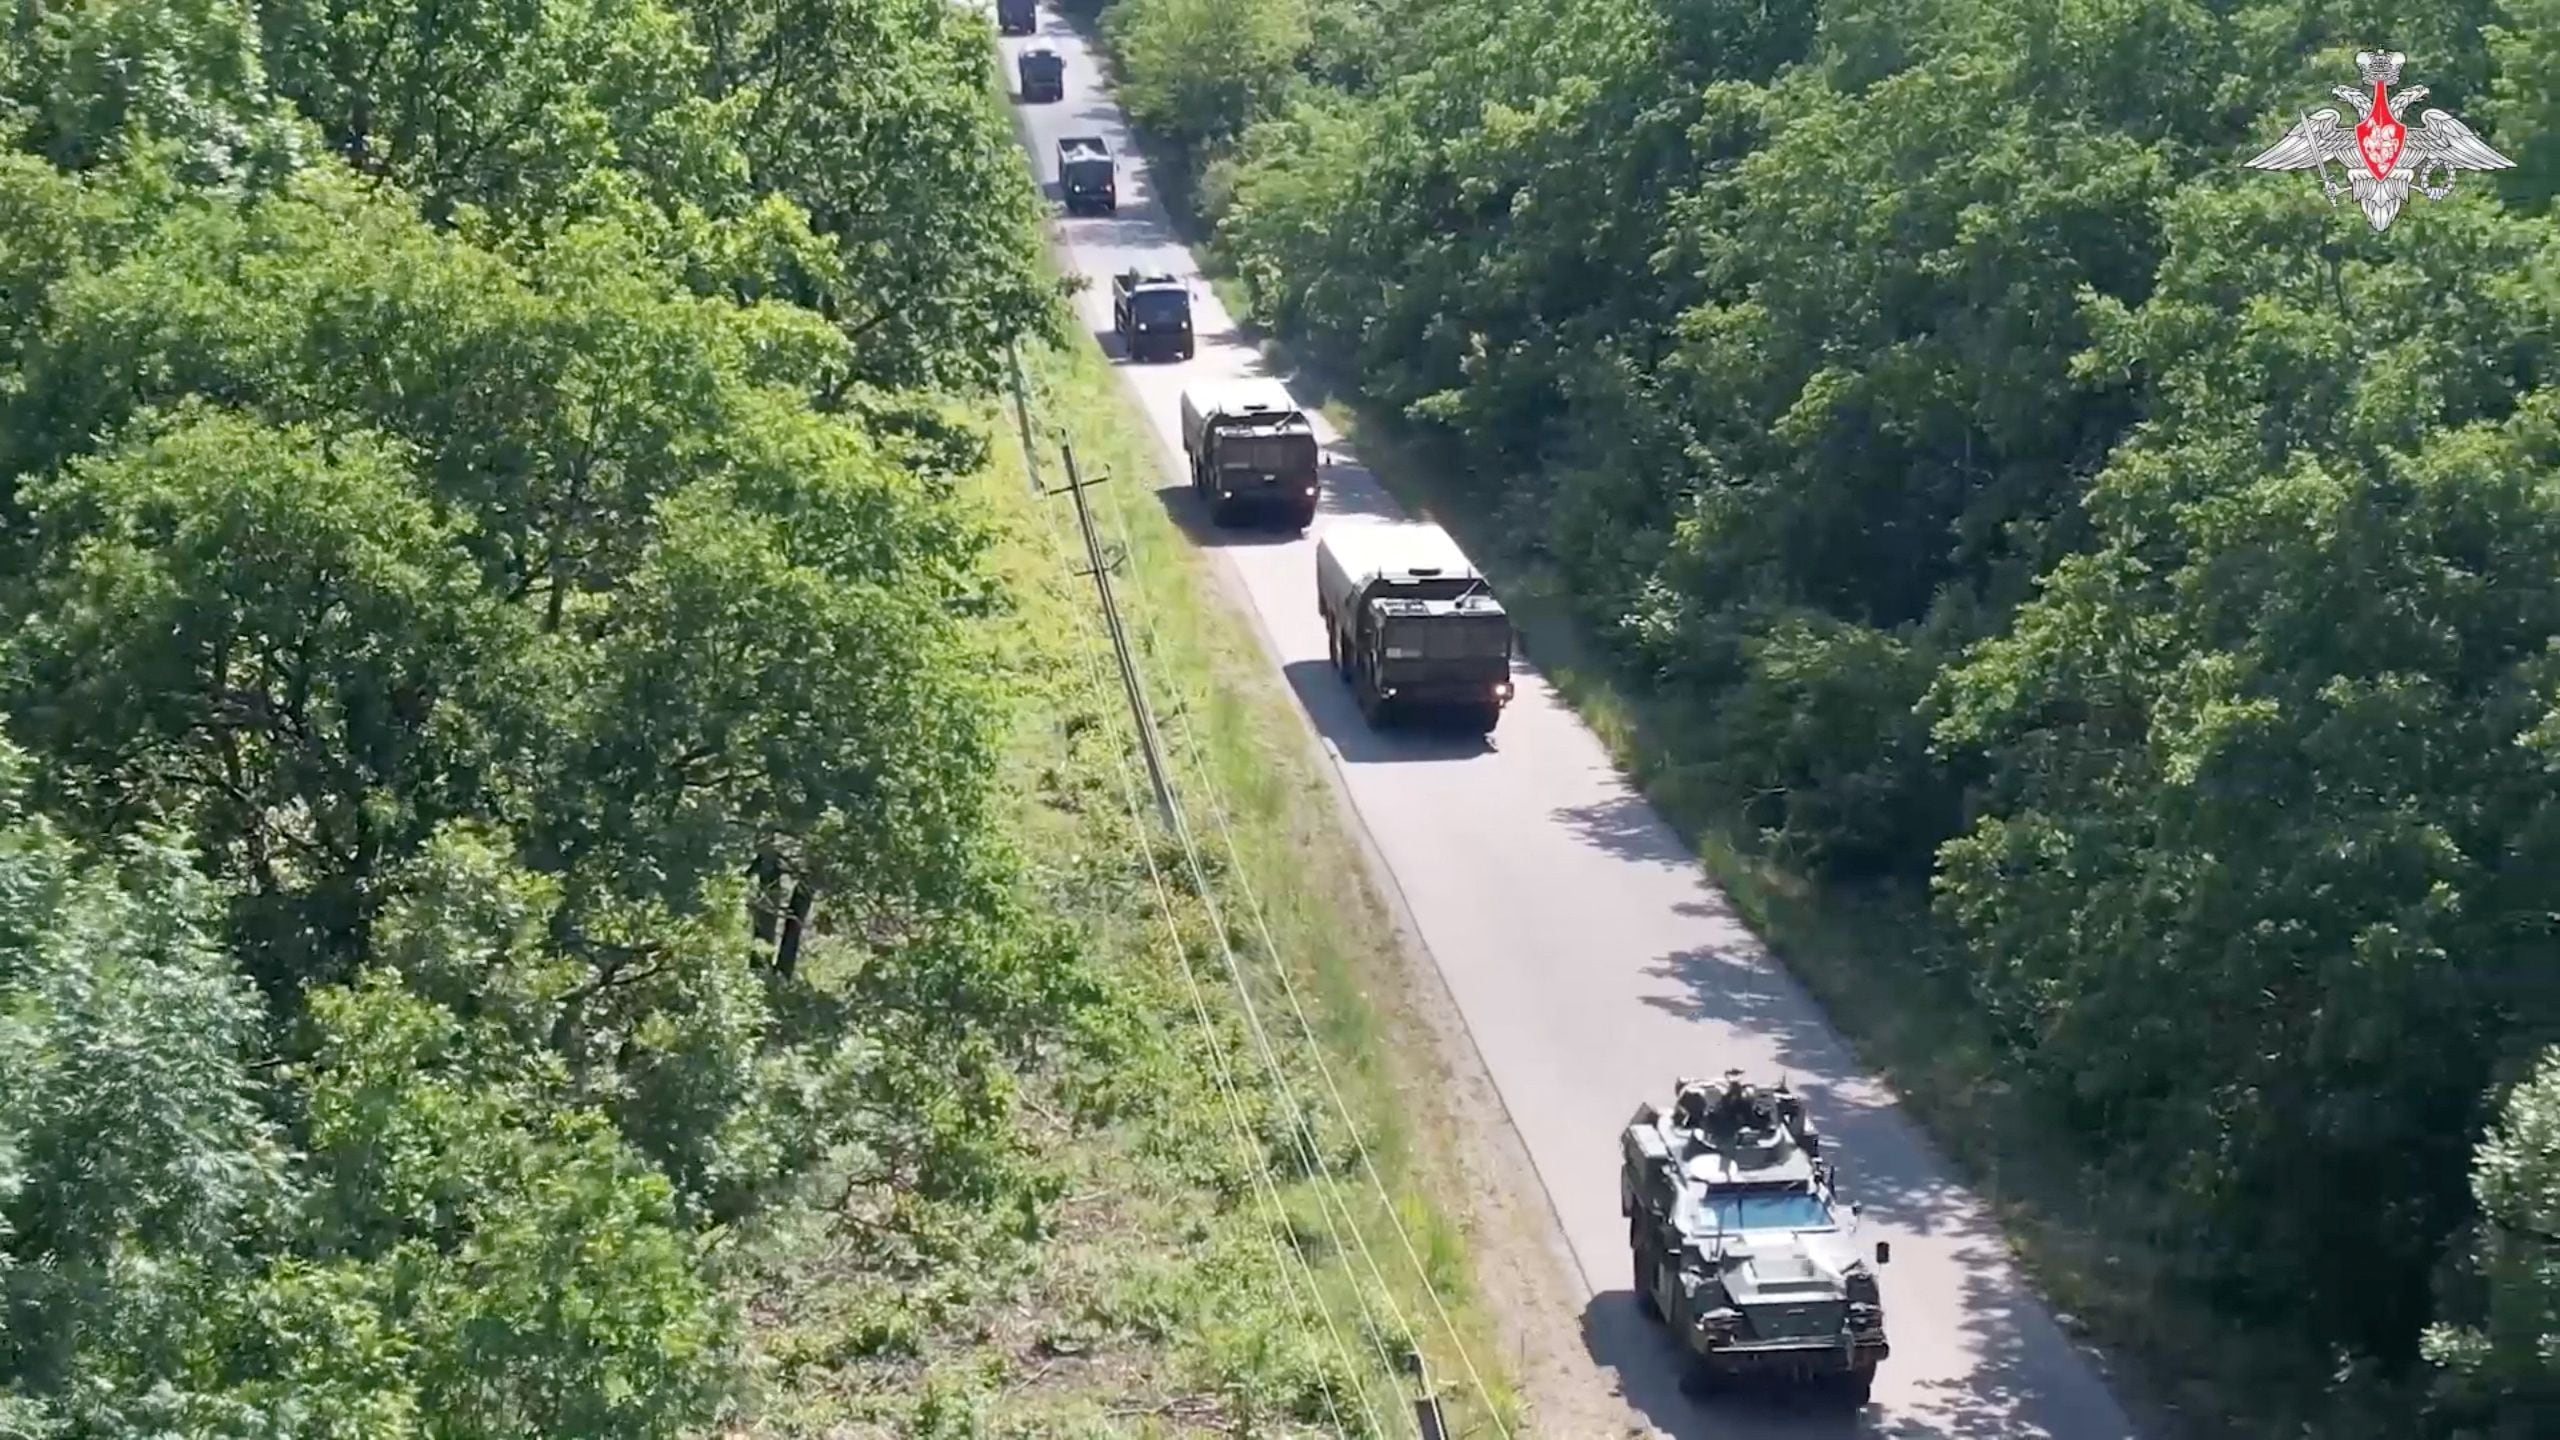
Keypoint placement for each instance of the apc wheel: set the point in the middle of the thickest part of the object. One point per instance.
(1857, 1388)
(1646, 1305)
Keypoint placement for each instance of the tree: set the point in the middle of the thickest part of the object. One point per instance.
(2506, 1364)
(132, 1147)
(269, 635)
(1199, 72)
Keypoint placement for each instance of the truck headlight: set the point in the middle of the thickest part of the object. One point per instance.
(1502, 691)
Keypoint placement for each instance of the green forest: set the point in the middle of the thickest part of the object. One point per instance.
(566, 868)
(498, 788)
(2131, 562)
(481, 581)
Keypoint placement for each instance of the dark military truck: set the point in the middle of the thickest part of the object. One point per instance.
(1016, 17)
(1086, 180)
(1152, 314)
(1251, 448)
(1741, 1244)
(1410, 624)
(1041, 73)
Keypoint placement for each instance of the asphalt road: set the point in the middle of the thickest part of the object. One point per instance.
(1592, 961)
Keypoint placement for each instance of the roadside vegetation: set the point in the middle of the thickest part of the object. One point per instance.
(553, 881)
(2093, 602)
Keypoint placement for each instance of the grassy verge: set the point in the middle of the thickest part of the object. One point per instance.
(1149, 1296)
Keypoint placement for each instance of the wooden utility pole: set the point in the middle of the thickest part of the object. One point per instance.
(1101, 573)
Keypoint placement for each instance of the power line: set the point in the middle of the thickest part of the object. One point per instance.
(1266, 1188)
(1201, 771)
(1328, 1197)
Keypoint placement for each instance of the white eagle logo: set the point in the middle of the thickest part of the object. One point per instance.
(2382, 157)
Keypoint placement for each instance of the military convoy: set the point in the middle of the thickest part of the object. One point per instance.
(1016, 17)
(1152, 315)
(1040, 73)
(1410, 625)
(1741, 1246)
(1086, 180)
(1251, 449)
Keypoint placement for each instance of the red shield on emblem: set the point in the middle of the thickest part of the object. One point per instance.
(2379, 136)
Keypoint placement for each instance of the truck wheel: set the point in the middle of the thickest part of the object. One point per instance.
(1491, 717)
(1372, 704)
(1856, 1388)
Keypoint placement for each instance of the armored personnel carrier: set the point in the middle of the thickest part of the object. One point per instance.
(1742, 1246)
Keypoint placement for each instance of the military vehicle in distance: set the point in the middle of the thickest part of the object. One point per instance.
(1251, 448)
(1152, 314)
(1042, 72)
(1086, 180)
(1410, 624)
(1740, 1244)
(1016, 17)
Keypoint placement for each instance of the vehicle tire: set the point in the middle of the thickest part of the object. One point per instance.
(1373, 706)
(1190, 348)
(1491, 717)
(1646, 1305)
(1857, 1388)
(1700, 1379)
(1333, 651)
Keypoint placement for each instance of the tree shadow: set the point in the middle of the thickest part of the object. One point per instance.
(1626, 826)
(1418, 738)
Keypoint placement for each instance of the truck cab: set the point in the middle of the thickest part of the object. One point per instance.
(1016, 17)
(1251, 448)
(1087, 181)
(1041, 73)
(1152, 315)
(1410, 625)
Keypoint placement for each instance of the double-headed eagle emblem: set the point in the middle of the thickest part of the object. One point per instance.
(2382, 156)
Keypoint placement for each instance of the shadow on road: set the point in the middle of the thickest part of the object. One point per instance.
(1116, 350)
(1627, 827)
(1647, 1366)
(1337, 717)
(1248, 529)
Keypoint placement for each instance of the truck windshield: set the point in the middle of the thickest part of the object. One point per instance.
(1159, 307)
(1450, 637)
(1270, 454)
(1763, 1210)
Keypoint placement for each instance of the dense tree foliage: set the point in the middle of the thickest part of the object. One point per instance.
(2014, 497)
(494, 781)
